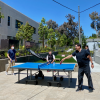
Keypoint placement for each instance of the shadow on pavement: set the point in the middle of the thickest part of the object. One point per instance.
(43, 82)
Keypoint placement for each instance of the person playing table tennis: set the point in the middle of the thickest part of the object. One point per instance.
(82, 56)
(50, 57)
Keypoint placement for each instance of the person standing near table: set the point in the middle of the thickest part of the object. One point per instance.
(12, 58)
(50, 57)
(83, 63)
(87, 48)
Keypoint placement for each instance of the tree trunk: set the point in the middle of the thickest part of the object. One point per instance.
(43, 41)
(23, 42)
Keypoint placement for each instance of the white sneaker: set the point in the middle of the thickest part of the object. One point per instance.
(6, 73)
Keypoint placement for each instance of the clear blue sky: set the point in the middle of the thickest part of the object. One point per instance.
(36, 9)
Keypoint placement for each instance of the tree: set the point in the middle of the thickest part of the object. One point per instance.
(93, 36)
(42, 30)
(70, 28)
(63, 40)
(95, 17)
(52, 24)
(1, 15)
(25, 32)
(51, 37)
(58, 35)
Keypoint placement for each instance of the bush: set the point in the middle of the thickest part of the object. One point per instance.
(42, 51)
(22, 47)
(22, 54)
(17, 54)
(28, 53)
(25, 54)
(5, 54)
(0, 56)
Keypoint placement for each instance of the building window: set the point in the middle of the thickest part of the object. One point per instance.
(0, 18)
(34, 30)
(8, 20)
(17, 24)
(9, 37)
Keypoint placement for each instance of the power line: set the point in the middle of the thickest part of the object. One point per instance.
(74, 10)
(65, 6)
(89, 8)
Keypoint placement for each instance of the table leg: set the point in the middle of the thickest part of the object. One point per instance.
(69, 78)
(53, 75)
(27, 73)
(30, 74)
(18, 75)
(58, 73)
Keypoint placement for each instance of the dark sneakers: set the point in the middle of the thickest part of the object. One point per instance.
(78, 89)
(90, 90)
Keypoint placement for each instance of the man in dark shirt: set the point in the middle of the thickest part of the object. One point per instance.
(12, 58)
(83, 63)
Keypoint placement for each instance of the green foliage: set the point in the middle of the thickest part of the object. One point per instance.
(17, 54)
(51, 37)
(22, 47)
(42, 31)
(5, 54)
(1, 15)
(92, 52)
(93, 36)
(58, 35)
(95, 24)
(83, 41)
(42, 51)
(25, 32)
(63, 40)
(27, 53)
(76, 40)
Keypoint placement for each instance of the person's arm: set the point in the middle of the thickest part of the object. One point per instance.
(53, 59)
(91, 61)
(69, 56)
(88, 56)
(9, 57)
(73, 54)
(15, 56)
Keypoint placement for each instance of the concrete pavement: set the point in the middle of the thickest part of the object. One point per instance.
(11, 90)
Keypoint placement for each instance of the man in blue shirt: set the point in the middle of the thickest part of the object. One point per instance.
(12, 58)
(82, 56)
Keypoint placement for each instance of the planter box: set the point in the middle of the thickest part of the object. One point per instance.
(3, 62)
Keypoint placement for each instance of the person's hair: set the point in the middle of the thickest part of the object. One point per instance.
(50, 51)
(12, 45)
(86, 46)
(79, 45)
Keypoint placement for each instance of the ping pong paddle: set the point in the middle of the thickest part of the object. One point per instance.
(60, 62)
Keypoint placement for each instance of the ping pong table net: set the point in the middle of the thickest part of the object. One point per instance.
(42, 65)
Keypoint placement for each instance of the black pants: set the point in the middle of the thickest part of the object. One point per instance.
(81, 71)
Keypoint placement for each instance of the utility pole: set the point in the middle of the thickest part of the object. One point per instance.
(79, 25)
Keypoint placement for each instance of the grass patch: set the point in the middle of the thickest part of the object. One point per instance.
(71, 60)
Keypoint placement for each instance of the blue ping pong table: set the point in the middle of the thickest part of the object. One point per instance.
(48, 67)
